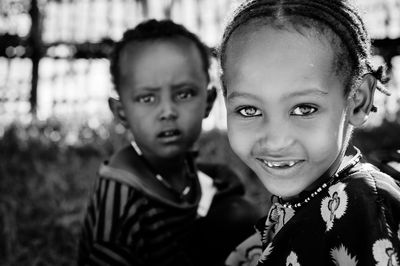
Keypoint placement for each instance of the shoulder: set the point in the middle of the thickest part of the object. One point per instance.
(124, 172)
(125, 166)
(363, 208)
(372, 194)
(123, 158)
(223, 176)
(367, 177)
(115, 181)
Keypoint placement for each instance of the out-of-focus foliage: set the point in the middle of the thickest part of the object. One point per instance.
(384, 137)
(43, 188)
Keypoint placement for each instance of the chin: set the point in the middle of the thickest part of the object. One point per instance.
(173, 152)
(279, 189)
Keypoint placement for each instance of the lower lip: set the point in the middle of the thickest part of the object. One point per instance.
(169, 139)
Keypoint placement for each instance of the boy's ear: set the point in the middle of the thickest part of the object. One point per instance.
(117, 109)
(361, 102)
(211, 96)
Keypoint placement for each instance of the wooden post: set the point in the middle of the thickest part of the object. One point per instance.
(145, 7)
(35, 43)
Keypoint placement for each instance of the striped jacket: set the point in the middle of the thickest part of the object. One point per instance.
(126, 223)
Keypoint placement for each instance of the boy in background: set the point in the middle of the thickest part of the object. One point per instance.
(152, 204)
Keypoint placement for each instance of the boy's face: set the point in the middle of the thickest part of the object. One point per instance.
(163, 92)
(287, 114)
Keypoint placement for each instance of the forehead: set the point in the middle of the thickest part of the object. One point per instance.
(166, 48)
(295, 25)
(342, 61)
(263, 56)
(253, 39)
(154, 61)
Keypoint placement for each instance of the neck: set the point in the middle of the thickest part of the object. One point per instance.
(171, 167)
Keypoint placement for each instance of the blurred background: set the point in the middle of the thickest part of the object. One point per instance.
(55, 126)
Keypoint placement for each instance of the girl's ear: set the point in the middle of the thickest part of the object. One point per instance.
(211, 96)
(117, 109)
(361, 101)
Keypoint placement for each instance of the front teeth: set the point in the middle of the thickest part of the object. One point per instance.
(279, 164)
(169, 133)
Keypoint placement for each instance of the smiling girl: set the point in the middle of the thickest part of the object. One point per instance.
(298, 77)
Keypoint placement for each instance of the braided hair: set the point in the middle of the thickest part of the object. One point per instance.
(155, 30)
(335, 19)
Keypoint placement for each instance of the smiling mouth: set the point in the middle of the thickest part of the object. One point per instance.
(279, 164)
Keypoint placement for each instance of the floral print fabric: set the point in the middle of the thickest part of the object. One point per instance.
(354, 221)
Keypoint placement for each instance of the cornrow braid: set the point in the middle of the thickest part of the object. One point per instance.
(338, 15)
(155, 30)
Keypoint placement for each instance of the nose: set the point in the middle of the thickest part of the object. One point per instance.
(276, 138)
(168, 110)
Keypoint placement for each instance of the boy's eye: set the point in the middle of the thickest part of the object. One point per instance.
(146, 99)
(304, 110)
(184, 95)
(249, 111)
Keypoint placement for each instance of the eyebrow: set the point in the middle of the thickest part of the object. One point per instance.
(306, 92)
(173, 87)
(235, 94)
(231, 96)
(184, 84)
(150, 89)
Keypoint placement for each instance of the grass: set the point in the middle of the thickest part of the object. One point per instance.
(44, 183)
(42, 190)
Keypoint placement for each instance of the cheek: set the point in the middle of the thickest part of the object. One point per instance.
(140, 122)
(193, 125)
(326, 140)
(191, 118)
(195, 107)
(193, 110)
(142, 130)
(239, 140)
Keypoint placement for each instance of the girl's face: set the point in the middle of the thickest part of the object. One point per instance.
(163, 92)
(287, 115)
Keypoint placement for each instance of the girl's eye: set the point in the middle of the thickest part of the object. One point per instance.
(146, 99)
(249, 111)
(304, 110)
(184, 95)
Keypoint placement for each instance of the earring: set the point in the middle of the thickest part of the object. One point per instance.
(136, 148)
(374, 109)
